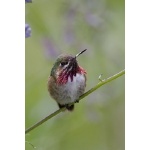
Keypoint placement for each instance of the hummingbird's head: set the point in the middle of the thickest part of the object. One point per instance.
(66, 66)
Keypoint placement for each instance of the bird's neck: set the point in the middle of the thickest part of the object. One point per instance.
(65, 75)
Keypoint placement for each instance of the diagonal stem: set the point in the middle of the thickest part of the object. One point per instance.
(102, 82)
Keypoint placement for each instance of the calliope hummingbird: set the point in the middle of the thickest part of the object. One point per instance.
(67, 81)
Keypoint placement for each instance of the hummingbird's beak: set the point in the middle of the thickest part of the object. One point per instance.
(80, 53)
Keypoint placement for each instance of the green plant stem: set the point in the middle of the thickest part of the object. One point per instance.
(102, 82)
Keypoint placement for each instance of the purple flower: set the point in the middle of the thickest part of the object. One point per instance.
(28, 1)
(50, 48)
(27, 27)
(93, 19)
(27, 31)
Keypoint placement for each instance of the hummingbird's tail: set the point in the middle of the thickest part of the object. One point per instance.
(68, 107)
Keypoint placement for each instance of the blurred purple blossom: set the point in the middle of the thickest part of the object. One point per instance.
(27, 31)
(28, 1)
(27, 27)
(92, 19)
(71, 14)
(69, 34)
(50, 49)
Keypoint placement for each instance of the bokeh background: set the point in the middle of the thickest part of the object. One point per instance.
(69, 26)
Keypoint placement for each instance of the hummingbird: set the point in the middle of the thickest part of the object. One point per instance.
(67, 81)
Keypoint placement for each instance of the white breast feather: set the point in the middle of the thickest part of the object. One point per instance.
(72, 87)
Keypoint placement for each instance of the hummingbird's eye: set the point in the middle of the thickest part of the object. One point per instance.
(64, 63)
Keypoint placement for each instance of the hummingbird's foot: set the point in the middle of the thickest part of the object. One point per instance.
(70, 107)
(67, 106)
(61, 106)
(77, 101)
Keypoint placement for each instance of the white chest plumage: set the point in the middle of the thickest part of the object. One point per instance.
(71, 91)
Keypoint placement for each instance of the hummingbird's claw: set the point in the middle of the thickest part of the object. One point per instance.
(77, 101)
(70, 107)
(100, 77)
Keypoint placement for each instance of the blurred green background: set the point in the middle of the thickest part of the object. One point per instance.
(69, 26)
